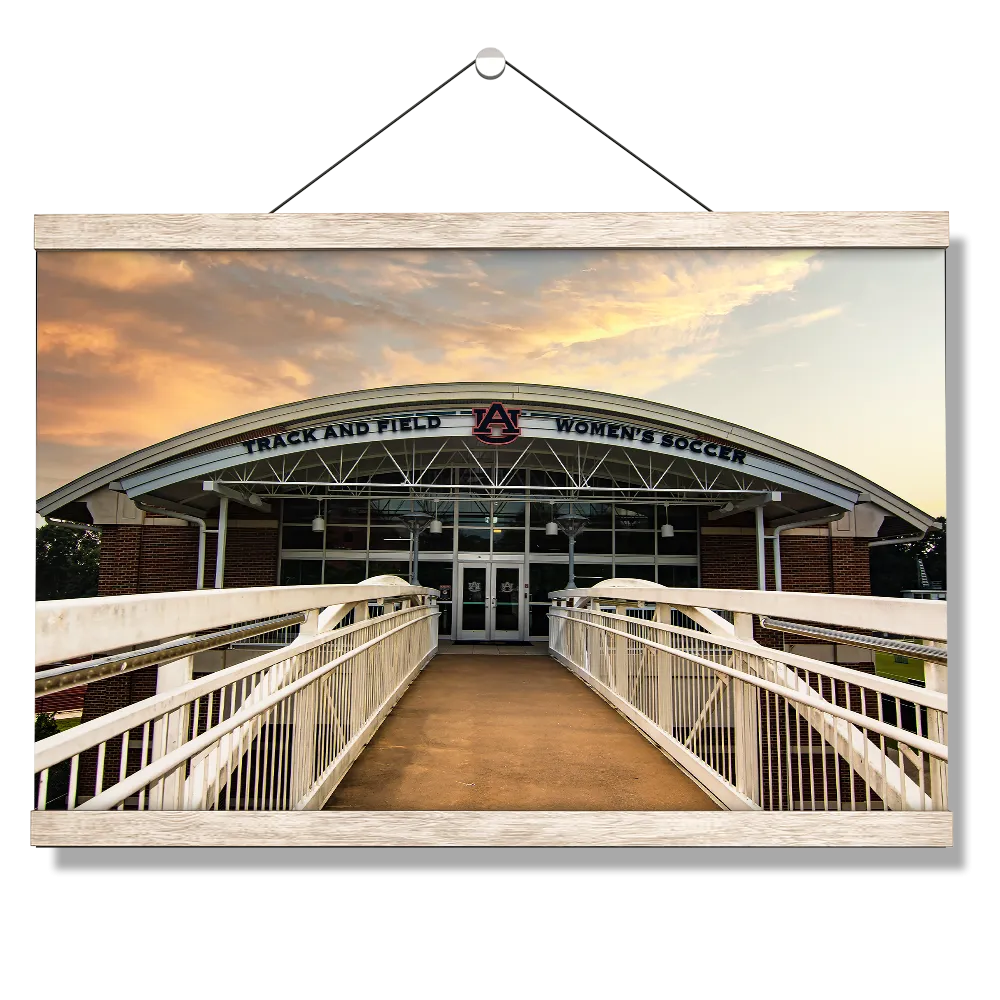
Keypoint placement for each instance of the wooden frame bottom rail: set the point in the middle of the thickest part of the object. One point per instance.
(489, 829)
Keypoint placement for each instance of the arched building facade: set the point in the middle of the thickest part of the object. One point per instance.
(477, 481)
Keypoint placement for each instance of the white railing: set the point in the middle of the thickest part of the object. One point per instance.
(275, 732)
(759, 727)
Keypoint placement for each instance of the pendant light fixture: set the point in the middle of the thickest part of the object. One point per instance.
(551, 528)
(666, 529)
(319, 522)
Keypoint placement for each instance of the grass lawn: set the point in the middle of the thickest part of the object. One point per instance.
(899, 668)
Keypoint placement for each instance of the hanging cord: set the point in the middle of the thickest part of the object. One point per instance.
(321, 175)
(608, 135)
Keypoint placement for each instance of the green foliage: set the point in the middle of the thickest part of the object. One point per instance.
(894, 567)
(57, 788)
(45, 725)
(66, 562)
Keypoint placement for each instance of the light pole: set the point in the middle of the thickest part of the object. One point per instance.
(417, 522)
(571, 525)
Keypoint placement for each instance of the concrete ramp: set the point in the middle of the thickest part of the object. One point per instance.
(510, 732)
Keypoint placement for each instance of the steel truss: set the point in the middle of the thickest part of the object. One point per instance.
(454, 468)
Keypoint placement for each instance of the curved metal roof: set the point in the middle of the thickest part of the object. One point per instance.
(456, 394)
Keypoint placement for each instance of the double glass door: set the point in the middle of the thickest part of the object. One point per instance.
(491, 602)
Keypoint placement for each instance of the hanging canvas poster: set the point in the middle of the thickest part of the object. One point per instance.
(454, 530)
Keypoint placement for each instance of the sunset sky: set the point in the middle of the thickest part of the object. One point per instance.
(837, 351)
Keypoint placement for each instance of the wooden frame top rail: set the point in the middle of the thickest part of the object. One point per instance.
(666, 230)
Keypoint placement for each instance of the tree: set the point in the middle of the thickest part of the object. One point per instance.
(57, 786)
(66, 562)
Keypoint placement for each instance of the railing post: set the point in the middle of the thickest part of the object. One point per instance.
(620, 660)
(746, 715)
(936, 679)
(170, 732)
(302, 721)
(664, 674)
(310, 626)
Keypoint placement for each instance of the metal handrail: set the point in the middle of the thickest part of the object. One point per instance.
(74, 674)
(939, 654)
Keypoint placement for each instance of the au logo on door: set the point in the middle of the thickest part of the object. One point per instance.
(496, 424)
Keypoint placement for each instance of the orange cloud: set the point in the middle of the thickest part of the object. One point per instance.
(120, 271)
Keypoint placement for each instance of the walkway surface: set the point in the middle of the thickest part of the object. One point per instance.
(510, 732)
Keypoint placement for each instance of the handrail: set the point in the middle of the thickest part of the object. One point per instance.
(61, 746)
(164, 765)
(65, 630)
(937, 700)
(939, 654)
(73, 674)
(896, 615)
(938, 750)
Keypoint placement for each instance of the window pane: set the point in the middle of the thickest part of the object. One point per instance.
(543, 578)
(597, 542)
(635, 516)
(540, 477)
(635, 543)
(598, 515)
(515, 478)
(541, 513)
(636, 572)
(685, 518)
(347, 511)
(389, 536)
(345, 571)
(540, 542)
(300, 511)
(587, 575)
(474, 539)
(678, 576)
(539, 620)
(508, 514)
(475, 513)
(444, 510)
(389, 511)
(508, 540)
(438, 543)
(341, 537)
(299, 572)
(684, 543)
(389, 568)
(300, 537)
(437, 575)
(444, 622)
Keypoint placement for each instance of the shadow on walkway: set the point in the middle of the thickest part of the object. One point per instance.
(510, 732)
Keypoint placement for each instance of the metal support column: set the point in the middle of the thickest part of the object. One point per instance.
(761, 565)
(220, 546)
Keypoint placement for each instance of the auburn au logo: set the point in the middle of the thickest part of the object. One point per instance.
(496, 424)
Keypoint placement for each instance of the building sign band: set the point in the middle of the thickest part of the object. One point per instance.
(496, 425)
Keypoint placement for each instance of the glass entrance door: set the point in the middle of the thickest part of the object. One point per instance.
(473, 601)
(506, 603)
(491, 602)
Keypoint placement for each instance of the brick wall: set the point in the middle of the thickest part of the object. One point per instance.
(119, 569)
(251, 558)
(156, 558)
(809, 564)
